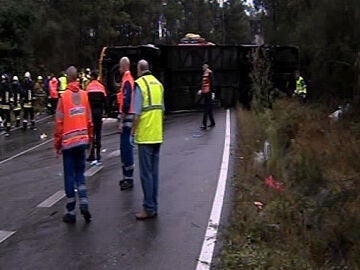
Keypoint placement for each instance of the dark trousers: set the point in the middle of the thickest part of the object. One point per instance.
(74, 168)
(28, 113)
(53, 104)
(149, 175)
(208, 110)
(127, 154)
(95, 152)
(7, 119)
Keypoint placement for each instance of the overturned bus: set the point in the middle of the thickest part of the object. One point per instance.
(179, 68)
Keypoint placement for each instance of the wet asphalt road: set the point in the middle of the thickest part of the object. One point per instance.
(189, 168)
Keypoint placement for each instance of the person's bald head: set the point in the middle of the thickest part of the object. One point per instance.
(142, 67)
(124, 64)
(71, 73)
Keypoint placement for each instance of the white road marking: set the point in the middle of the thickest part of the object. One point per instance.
(24, 152)
(207, 250)
(57, 196)
(93, 170)
(115, 153)
(5, 235)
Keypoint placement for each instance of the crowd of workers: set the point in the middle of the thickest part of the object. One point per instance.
(21, 99)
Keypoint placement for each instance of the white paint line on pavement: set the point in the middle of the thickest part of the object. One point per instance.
(52, 199)
(5, 235)
(115, 153)
(207, 250)
(24, 152)
(93, 170)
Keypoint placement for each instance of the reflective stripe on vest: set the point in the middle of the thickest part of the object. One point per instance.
(53, 87)
(205, 86)
(127, 77)
(150, 125)
(76, 115)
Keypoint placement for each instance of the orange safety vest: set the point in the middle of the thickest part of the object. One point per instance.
(127, 77)
(73, 118)
(53, 88)
(95, 86)
(205, 86)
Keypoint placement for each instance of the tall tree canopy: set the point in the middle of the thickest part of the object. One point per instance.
(47, 35)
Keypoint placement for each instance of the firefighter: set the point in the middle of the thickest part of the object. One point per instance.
(40, 95)
(125, 98)
(28, 100)
(6, 102)
(301, 90)
(73, 133)
(16, 95)
(97, 99)
(53, 94)
(63, 83)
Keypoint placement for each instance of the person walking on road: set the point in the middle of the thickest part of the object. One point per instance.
(148, 132)
(206, 93)
(125, 99)
(97, 99)
(16, 95)
(53, 93)
(28, 100)
(73, 133)
(6, 102)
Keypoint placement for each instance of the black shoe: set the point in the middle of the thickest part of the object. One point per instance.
(203, 127)
(68, 218)
(90, 159)
(125, 184)
(212, 125)
(86, 214)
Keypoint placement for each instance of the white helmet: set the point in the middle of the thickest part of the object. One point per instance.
(15, 78)
(27, 74)
(39, 77)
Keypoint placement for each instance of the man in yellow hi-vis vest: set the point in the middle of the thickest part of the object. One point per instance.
(148, 132)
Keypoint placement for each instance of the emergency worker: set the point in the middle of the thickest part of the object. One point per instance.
(97, 99)
(148, 132)
(40, 94)
(301, 90)
(6, 102)
(125, 98)
(73, 133)
(206, 93)
(28, 99)
(53, 94)
(16, 96)
(63, 83)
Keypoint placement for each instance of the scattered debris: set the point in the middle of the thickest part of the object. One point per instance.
(267, 150)
(272, 183)
(103, 150)
(259, 205)
(43, 136)
(336, 115)
(259, 157)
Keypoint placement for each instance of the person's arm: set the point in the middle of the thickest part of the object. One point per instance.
(137, 108)
(127, 97)
(59, 127)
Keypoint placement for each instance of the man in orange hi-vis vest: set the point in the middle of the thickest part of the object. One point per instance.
(73, 134)
(125, 99)
(97, 99)
(206, 93)
(53, 93)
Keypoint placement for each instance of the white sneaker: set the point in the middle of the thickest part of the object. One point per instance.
(93, 163)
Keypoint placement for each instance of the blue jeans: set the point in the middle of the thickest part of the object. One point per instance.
(74, 168)
(127, 155)
(149, 175)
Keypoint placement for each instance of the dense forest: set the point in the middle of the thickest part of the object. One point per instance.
(47, 35)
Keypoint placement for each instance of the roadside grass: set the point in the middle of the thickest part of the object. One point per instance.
(314, 222)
